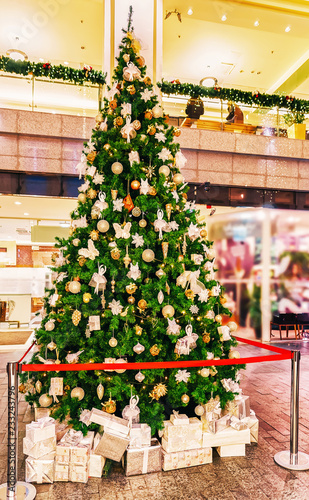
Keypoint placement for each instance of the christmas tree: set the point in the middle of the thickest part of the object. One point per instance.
(135, 280)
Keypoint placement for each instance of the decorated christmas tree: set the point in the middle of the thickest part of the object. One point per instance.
(135, 280)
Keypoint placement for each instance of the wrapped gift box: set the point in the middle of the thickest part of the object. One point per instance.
(143, 460)
(226, 437)
(189, 458)
(140, 435)
(61, 472)
(78, 473)
(232, 450)
(40, 449)
(115, 425)
(39, 471)
(61, 429)
(207, 420)
(79, 454)
(239, 407)
(112, 446)
(41, 413)
(74, 448)
(182, 437)
(177, 419)
(96, 465)
(253, 424)
(41, 430)
(219, 424)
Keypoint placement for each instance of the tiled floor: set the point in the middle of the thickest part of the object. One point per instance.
(254, 477)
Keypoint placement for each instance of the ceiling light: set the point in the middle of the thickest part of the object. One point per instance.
(223, 18)
(17, 202)
(257, 23)
(26, 213)
(190, 12)
(287, 29)
(17, 55)
(64, 224)
(66, 62)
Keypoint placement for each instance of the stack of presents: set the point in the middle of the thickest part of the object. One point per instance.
(58, 453)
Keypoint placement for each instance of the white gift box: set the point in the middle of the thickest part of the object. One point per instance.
(78, 473)
(96, 465)
(112, 446)
(74, 448)
(232, 450)
(182, 437)
(56, 386)
(226, 437)
(115, 425)
(188, 458)
(143, 460)
(39, 449)
(179, 419)
(94, 323)
(39, 471)
(41, 430)
(140, 435)
(61, 472)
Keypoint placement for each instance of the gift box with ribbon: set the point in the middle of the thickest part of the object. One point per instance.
(143, 460)
(189, 458)
(177, 419)
(182, 437)
(61, 472)
(39, 471)
(112, 446)
(74, 448)
(227, 436)
(239, 407)
(115, 425)
(61, 429)
(140, 435)
(39, 449)
(96, 462)
(41, 430)
(78, 473)
(253, 424)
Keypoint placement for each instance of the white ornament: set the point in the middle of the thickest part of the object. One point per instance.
(203, 295)
(91, 171)
(159, 223)
(137, 240)
(103, 125)
(90, 147)
(215, 291)
(91, 252)
(118, 205)
(173, 327)
(126, 109)
(83, 188)
(53, 298)
(131, 412)
(115, 306)
(210, 315)
(122, 232)
(127, 129)
(82, 222)
(50, 325)
(164, 154)
(133, 157)
(175, 195)
(73, 357)
(101, 203)
(193, 232)
(110, 94)
(182, 376)
(224, 332)
(139, 377)
(61, 277)
(160, 136)
(197, 258)
(131, 72)
(146, 95)
(98, 178)
(194, 309)
(181, 160)
(82, 165)
(98, 279)
(144, 187)
(138, 348)
(134, 272)
(160, 297)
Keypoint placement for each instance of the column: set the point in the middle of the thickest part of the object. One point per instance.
(265, 285)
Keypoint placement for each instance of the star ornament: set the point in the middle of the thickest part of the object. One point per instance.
(193, 232)
(98, 178)
(160, 136)
(164, 154)
(118, 205)
(194, 309)
(90, 147)
(182, 376)
(115, 307)
(173, 327)
(137, 240)
(146, 95)
(203, 295)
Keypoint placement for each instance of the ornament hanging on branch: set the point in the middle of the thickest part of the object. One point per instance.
(131, 412)
(100, 391)
(158, 392)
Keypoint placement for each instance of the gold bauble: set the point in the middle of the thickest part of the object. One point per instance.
(185, 399)
(131, 300)
(135, 185)
(234, 355)
(78, 393)
(180, 258)
(138, 330)
(142, 304)
(131, 288)
(148, 114)
(166, 118)
(222, 299)
(117, 168)
(81, 260)
(45, 400)
(50, 325)
(218, 318)
(168, 311)
(184, 195)
(67, 289)
(113, 104)
(147, 80)
(74, 286)
(154, 350)
(148, 255)
(82, 197)
(38, 386)
(94, 235)
(118, 121)
(232, 326)
(76, 242)
(140, 61)
(131, 89)
(91, 156)
(206, 337)
(158, 391)
(103, 226)
(22, 388)
(165, 170)
(86, 297)
(203, 233)
(157, 111)
(91, 193)
(176, 132)
(126, 57)
(178, 179)
(113, 342)
(189, 294)
(142, 223)
(199, 410)
(136, 212)
(106, 146)
(205, 372)
(76, 317)
(115, 254)
(136, 124)
(151, 130)
(152, 191)
(110, 406)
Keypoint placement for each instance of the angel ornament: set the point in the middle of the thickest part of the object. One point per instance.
(160, 223)
(98, 279)
(131, 412)
(101, 203)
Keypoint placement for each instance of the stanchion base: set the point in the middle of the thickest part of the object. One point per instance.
(24, 491)
(282, 458)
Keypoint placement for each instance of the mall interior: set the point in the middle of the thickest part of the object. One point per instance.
(233, 78)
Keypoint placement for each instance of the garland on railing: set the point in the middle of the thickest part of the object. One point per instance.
(60, 72)
(235, 95)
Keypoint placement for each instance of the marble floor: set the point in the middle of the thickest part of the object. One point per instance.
(255, 476)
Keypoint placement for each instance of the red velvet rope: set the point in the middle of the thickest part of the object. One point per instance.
(282, 354)
(34, 342)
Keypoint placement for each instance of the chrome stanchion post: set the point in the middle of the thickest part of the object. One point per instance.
(14, 490)
(293, 459)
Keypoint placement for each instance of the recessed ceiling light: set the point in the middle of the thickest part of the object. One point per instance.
(17, 202)
(257, 23)
(190, 12)
(287, 29)
(41, 60)
(223, 18)
(26, 213)
(66, 62)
